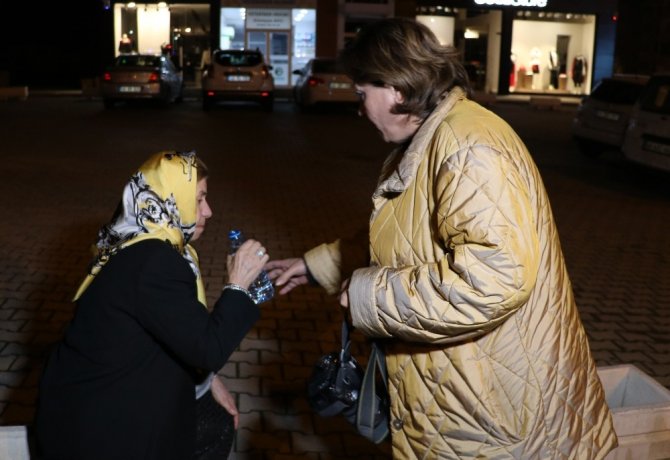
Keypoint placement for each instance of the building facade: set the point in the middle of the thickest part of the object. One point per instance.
(559, 47)
(508, 46)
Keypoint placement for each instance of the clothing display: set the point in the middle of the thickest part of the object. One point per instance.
(578, 70)
(486, 354)
(554, 68)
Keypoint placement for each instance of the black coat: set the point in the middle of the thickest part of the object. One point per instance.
(121, 383)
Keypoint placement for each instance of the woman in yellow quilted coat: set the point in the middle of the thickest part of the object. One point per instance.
(487, 357)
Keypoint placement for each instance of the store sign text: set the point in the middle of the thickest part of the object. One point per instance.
(268, 18)
(524, 3)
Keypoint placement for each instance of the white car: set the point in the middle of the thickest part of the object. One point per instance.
(602, 116)
(647, 138)
(322, 81)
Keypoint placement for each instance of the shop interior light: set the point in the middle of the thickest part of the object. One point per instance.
(162, 5)
(131, 5)
(469, 33)
(300, 15)
(187, 30)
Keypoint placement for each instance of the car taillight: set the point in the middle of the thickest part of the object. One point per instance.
(265, 94)
(107, 76)
(153, 77)
(313, 81)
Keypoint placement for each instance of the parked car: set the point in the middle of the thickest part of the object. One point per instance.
(322, 81)
(647, 138)
(142, 76)
(602, 116)
(238, 75)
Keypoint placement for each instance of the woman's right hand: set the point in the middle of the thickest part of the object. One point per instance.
(246, 264)
(287, 273)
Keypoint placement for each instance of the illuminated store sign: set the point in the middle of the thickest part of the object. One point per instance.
(522, 3)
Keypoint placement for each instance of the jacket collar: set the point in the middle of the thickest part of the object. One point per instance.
(405, 171)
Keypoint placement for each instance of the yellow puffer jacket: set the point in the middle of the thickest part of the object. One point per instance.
(488, 357)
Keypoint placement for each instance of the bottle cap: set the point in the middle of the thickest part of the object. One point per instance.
(234, 234)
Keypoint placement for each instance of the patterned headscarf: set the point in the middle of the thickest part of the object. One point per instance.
(158, 202)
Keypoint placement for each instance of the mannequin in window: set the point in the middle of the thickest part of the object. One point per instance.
(512, 70)
(535, 55)
(578, 70)
(125, 44)
(554, 67)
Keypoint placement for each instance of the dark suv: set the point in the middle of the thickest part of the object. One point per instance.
(602, 117)
(238, 75)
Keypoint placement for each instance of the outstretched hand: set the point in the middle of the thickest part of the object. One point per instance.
(287, 273)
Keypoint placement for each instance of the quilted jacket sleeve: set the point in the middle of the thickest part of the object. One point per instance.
(486, 269)
(331, 263)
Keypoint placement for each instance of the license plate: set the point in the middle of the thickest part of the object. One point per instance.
(656, 147)
(130, 89)
(338, 85)
(607, 115)
(238, 78)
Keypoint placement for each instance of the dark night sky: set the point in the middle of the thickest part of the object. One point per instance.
(55, 44)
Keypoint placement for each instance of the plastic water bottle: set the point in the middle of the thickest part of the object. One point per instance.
(261, 289)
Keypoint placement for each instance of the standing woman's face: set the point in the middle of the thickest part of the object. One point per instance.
(376, 103)
(203, 211)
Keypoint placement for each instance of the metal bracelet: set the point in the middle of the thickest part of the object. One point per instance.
(236, 287)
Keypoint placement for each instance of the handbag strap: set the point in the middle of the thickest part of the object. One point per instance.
(345, 354)
(369, 402)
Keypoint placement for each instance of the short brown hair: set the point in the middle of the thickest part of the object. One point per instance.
(406, 55)
(201, 167)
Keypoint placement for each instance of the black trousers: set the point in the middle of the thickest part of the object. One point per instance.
(215, 429)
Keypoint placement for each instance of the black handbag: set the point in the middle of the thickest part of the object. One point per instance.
(338, 385)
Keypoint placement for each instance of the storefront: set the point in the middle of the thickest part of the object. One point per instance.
(559, 47)
(286, 33)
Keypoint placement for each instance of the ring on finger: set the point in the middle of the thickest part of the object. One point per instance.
(260, 253)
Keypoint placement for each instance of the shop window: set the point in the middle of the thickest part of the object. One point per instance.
(552, 52)
(232, 28)
(304, 39)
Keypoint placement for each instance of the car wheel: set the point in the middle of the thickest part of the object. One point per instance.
(206, 104)
(108, 103)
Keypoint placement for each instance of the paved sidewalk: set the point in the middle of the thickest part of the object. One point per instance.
(293, 182)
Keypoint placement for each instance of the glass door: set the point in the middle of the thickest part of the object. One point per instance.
(279, 57)
(275, 48)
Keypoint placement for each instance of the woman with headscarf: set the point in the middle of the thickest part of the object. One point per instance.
(142, 346)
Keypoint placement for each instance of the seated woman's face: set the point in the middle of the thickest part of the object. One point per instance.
(203, 211)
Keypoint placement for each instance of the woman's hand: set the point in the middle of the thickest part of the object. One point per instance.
(225, 399)
(246, 264)
(288, 273)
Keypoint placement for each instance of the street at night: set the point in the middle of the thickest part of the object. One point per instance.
(293, 180)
